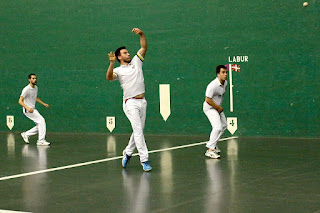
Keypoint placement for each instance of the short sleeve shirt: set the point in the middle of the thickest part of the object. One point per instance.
(215, 90)
(131, 77)
(30, 95)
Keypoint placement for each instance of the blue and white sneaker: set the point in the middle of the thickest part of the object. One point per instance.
(145, 166)
(125, 159)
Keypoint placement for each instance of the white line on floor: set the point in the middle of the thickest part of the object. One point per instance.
(10, 211)
(102, 160)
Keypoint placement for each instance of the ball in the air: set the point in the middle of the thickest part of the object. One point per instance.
(305, 4)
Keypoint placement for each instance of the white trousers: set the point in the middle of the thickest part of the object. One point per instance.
(135, 110)
(40, 127)
(219, 125)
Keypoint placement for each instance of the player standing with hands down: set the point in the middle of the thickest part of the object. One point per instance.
(28, 99)
(213, 110)
(130, 76)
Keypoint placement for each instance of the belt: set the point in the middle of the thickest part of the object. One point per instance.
(125, 101)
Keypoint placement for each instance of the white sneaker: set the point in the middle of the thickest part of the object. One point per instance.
(43, 142)
(25, 137)
(217, 150)
(212, 154)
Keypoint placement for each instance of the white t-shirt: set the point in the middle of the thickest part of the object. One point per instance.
(131, 77)
(215, 90)
(30, 95)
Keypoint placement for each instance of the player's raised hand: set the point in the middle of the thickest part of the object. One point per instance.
(112, 57)
(137, 31)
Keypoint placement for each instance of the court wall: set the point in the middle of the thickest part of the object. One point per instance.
(66, 43)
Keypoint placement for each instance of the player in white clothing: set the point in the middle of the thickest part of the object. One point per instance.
(27, 100)
(130, 76)
(213, 110)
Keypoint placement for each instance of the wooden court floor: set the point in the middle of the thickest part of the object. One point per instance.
(83, 173)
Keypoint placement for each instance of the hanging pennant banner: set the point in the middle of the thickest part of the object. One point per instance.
(111, 123)
(232, 124)
(10, 121)
(164, 90)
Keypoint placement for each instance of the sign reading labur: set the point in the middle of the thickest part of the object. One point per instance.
(232, 122)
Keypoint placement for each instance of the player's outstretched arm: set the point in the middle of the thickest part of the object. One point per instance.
(110, 75)
(143, 41)
(41, 102)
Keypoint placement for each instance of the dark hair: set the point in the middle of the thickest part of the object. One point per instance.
(29, 76)
(118, 52)
(219, 68)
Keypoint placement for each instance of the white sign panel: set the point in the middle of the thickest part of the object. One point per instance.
(111, 123)
(10, 121)
(232, 124)
(165, 110)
